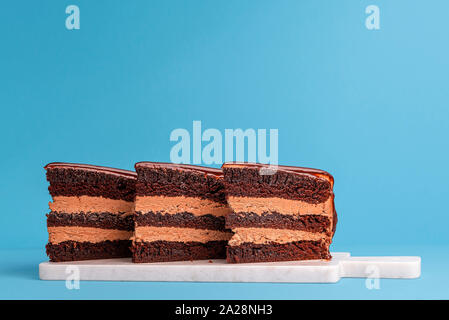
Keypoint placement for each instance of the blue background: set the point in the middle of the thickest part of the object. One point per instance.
(371, 107)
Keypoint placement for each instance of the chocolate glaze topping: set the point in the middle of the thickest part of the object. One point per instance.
(182, 167)
(89, 167)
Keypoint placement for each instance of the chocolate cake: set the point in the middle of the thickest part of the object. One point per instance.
(278, 215)
(180, 213)
(92, 212)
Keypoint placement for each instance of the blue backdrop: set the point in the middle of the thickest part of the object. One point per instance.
(369, 106)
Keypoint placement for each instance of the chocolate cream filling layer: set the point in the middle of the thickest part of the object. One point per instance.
(150, 234)
(73, 204)
(282, 206)
(85, 234)
(267, 235)
(174, 205)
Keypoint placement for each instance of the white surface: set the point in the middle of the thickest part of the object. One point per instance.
(341, 265)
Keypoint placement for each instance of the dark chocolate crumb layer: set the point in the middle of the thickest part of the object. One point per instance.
(248, 182)
(299, 250)
(103, 220)
(182, 219)
(78, 182)
(172, 182)
(311, 223)
(73, 251)
(164, 251)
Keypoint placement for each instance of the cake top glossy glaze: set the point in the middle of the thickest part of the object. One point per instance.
(89, 167)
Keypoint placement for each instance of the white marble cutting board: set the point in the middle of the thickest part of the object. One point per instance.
(342, 265)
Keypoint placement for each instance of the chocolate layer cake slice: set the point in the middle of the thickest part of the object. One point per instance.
(92, 212)
(180, 213)
(278, 215)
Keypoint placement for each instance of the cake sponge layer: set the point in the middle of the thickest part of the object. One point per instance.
(309, 185)
(181, 219)
(74, 250)
(102, 220)
(164, 251)
(271, 252)
(311, 223)
(167, 179)
(77, 180)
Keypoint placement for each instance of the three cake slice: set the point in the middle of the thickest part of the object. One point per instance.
(180, 213)
(92, 212)
(278, 215)
(175, 212)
